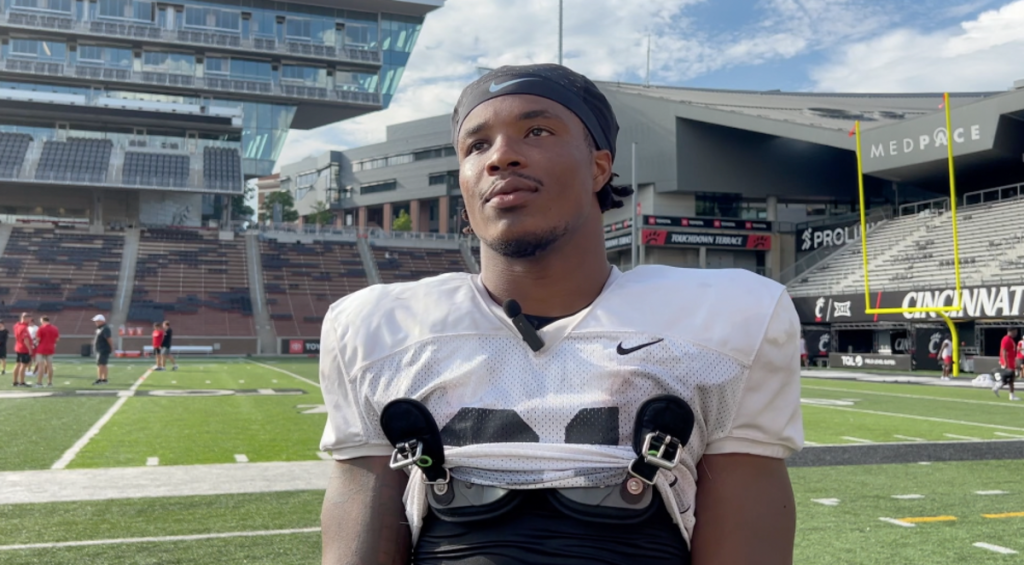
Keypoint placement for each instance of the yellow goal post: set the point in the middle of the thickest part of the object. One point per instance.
(940, 310)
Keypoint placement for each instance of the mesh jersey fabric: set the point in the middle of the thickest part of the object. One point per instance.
(563, 416)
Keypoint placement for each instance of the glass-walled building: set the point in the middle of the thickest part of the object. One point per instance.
(284, 64)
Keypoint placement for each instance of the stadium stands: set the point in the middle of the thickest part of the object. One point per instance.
(66, 273)
(399, 264)
(302, 280)
(13, 147)
(917, 251)
(194, 280)
(75, 160)
(222, 168)
(155, 169)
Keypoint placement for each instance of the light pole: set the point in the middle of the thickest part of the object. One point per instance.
(559, 32)
(633, 214)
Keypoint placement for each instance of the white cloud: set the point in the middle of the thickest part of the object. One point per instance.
(980, 54)
(604, 39)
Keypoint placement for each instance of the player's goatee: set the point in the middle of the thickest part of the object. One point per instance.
(526, 246)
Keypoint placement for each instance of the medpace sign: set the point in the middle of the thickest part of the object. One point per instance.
(987, 302)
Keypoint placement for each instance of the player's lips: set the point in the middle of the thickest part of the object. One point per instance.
(511, 192)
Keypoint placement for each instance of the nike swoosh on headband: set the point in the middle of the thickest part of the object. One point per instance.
(496, 87)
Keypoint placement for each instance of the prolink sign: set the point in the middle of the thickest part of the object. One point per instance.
(829, 236)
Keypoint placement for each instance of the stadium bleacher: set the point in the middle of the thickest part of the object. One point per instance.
(193, 279)
(222, 168)
(399, 264)
(75, 160)
(302, 280)
(917, 251)
(155, 169)
(13, 147)
(67, 274)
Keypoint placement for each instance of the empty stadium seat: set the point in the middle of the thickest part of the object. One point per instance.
(13, 147)
(222, 169)
(399, 264)
(155, 169)
(75, 160)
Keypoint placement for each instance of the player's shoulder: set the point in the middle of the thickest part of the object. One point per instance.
(727, 310)
(384, 318)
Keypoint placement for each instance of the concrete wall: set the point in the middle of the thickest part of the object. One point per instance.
(171, 208)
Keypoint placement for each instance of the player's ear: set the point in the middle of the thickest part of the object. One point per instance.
(602, 170)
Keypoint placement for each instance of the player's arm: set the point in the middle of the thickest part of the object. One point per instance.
(745, 511)
(363, 519)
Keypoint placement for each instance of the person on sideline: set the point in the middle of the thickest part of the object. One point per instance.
(104, 346)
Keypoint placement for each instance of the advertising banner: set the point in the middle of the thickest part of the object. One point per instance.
(988, 302)
(300, 346)
(835, 235)
(663, 237)
(869, 361)
(707, 223)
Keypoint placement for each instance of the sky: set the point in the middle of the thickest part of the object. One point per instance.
(790, 45)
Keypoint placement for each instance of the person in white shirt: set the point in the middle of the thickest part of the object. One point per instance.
(539, 406)
(33, 332)
(946, 356)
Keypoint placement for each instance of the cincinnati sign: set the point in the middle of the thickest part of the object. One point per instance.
(986, 302)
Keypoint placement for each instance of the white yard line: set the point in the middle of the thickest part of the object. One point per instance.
(826, 501)
(954, 436)
(241, 458)
(289, 373)
(918, 396)
(856, 439)
(907, 496)
(158, 539)
(898, 522)
(1015, 436)
(152, 461)
(910, 438)
(70, 454)
(989, 492)
(912, 417)
(995, 548)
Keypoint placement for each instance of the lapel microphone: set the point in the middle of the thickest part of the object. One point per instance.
(515, 313)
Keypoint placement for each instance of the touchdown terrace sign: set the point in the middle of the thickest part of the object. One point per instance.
(988, 302)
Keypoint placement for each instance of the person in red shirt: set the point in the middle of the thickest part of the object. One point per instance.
(48, 336)
(23, 348)
(1007, 361)
(158, 341)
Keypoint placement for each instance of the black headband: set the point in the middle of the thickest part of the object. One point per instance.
(554, 82)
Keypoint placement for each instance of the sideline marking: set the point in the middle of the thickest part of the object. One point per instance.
(913, 417)
(1005, 515)
(240, 458)
(304, 379)
(928, 519)
(152, 461)
(907, 496)
(159, 539)
(995, 548)
(990, 492)
(1008, 435)
(856, 439)
(909, 438)
(954, 436)
(924, 462)
(898, 522)
(919, 396)
(71, 453)
(826, 501)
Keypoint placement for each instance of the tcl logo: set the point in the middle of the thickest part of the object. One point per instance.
(852, 360)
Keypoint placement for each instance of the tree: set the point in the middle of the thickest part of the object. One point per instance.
(287, 202)
(240, 211)
(403, 222)
(321, 215)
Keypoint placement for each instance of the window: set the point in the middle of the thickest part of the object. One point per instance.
(309, 75)
(250, 70)
(176, 63)
(399, 159)
(434, 153)
(718, 205)
(448, 178)
(218, 65)
(306, 179)
(126, 9)
(299, 29)
(36, 49)
(48, 5)
(212, 18)
(369, 164)
(378, 187)
(105, 56)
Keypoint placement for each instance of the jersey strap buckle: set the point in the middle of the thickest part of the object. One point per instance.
(412, 430)
(662, 429)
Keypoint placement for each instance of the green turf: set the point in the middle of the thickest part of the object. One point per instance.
(879, 412)
(150, 517)
(851, 532)
(198, 430)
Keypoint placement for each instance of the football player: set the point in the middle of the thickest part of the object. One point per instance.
(537, 405)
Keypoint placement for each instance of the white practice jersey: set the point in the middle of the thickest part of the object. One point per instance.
(726, 341)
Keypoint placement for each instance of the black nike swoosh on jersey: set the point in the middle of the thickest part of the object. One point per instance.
(627, 350)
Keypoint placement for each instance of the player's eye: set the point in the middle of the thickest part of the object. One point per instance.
(477, 146)
(538, 132)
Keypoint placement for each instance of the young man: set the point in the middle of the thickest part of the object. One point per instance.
(1007, 360)
(803, 351)
(158, 343)
(4, 334)
(946, 356)
(23, 348)
(552, 419)
(104, 346)
(48, 336)
(165, 350)
(33, 330)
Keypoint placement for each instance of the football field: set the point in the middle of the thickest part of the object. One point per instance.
(218, 463)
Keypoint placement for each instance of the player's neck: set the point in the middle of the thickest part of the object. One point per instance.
(562, 281)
